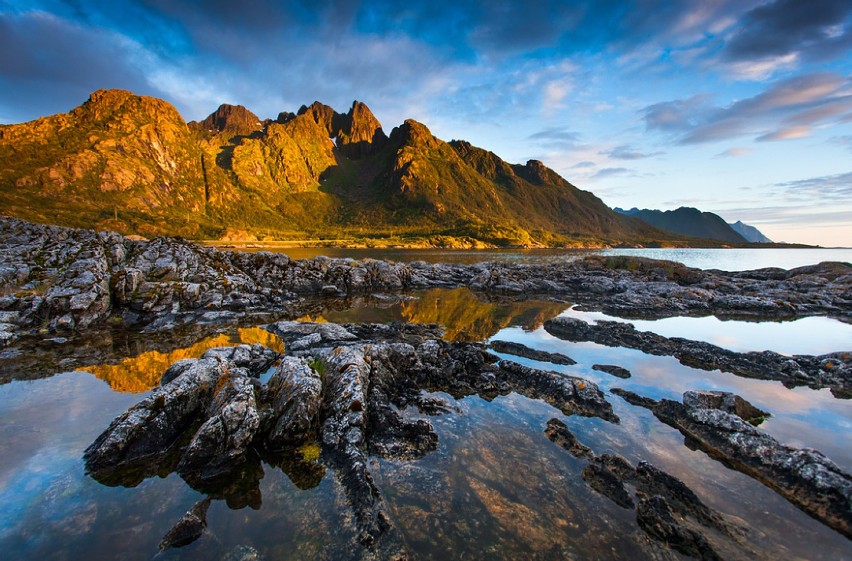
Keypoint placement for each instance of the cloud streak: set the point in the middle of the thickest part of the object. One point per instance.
(788, 109)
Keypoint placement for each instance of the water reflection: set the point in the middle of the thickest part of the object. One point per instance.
(142, 372)
(810, 335)
(496, 487)
(466, 316)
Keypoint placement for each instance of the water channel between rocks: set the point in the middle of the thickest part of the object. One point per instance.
(495, 488)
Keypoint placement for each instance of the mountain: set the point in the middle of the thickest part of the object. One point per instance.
(688, 221)
(750, 233)
(131, 163)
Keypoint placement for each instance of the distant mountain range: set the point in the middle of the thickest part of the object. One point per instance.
(690, 221)
(131, 163)
(750, 233)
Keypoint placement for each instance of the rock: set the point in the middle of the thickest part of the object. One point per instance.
(295, 394)
(608, 484)
(655, 517)
(799, 370)
(805, 477)
(727, 402)
(221, 443)
(140, 440)
(569, 394)
(616, 371)
(189, 528)
(243, 553)
(559, 434)
(634, 398)
(517, 349)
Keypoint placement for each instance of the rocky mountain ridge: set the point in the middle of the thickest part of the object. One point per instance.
(131, 164)
(750, 233)
(688, 221)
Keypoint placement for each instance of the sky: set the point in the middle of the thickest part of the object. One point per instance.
(741, 107)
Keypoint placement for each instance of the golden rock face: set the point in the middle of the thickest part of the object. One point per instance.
(132, 164)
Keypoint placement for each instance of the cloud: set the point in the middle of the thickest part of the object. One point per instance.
(788, 133)
(736, 152)
(627, 152)
(611, 172)
(816, 28)
(48, 65)
(557, 138)
(584, 164)
(824, 188)
(675, 116)
(786, 110)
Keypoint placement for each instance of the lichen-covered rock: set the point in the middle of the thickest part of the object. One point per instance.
(144, 436)
(223, 440)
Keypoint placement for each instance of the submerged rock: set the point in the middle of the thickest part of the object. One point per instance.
(189, 528)
(666, 509)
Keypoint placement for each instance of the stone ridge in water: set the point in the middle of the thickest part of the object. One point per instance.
(68, 279)
(697, 530)
(805, 477)
(833, 370)
(212, 420)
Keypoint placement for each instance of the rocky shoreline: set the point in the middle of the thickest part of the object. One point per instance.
(356, 392)
(59, 280)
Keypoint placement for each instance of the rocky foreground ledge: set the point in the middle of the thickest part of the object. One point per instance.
(361, 391)
(58, 280)
(351, 389)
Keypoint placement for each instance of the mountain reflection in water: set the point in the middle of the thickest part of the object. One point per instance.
(465, 315)
(142, 372)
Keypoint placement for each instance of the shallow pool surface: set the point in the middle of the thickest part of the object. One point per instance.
(496, 487)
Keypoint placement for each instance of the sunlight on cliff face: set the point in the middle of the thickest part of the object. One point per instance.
(142, 373)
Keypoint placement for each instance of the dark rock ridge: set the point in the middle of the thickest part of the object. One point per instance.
(612, 369)
(826, 371)
(353, 389)
(666, 509)
(517, 349)
(804, 477)
(63, 280)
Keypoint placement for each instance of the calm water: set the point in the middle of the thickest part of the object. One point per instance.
(496, 488)
(724, 259)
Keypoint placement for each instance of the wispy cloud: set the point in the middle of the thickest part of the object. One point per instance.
(825, 188)
(736, 152)
(787, 109)
(627, 152)
(611, 172)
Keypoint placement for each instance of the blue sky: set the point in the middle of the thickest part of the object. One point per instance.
(742, 107)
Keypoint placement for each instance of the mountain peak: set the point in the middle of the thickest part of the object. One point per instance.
(360, 132)
(412, 133)
(105, 104)
(232, 118)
